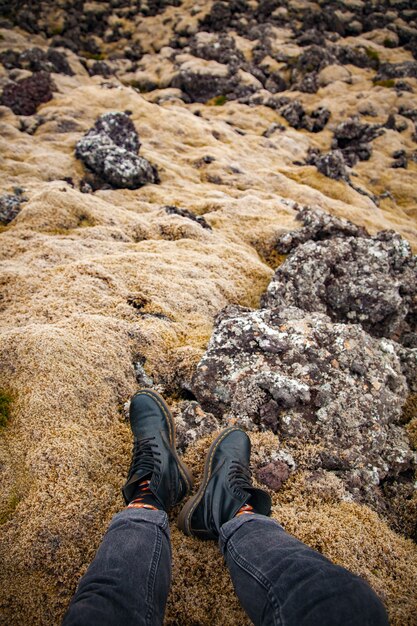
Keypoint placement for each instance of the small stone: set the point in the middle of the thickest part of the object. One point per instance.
(142, 377)
(273, 475)
(353, 138)
(9, 207)
(192, 423)
(332, 165)
(173, 210)
(317, 225)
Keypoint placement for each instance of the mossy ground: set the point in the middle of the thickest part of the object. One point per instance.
(6, 400)
(69, 335)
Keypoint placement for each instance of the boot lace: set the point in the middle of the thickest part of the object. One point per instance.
(145, 457)
(239, 477)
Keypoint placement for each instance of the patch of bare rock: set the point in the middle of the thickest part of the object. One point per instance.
(321, 362)
(340, 270)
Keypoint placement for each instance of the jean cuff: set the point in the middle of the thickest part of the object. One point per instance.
(160, 518)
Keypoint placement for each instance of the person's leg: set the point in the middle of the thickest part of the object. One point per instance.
(281, 581)
(278, 579)
(127, 583)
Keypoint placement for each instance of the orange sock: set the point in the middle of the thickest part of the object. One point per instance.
(137, 504)
(142, 500)
(246, 508)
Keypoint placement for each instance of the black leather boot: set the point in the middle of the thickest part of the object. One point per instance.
(226, 487)
(154, 456)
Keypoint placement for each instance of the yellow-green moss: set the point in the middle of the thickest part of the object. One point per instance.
(5, 404)
(85, 221)
(57, 30)
(372, 54)
(9, 507)
(217, 101)
(385, 83)
(94, 56)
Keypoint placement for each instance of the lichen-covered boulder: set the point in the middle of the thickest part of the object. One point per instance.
(332, 164)
(221, 48)
(317, 226)
(294, 113)
(9, 207)
(202, 80)
(406, 69)
(110, 149)
(353, 138)
(312, 382)
(371, 281)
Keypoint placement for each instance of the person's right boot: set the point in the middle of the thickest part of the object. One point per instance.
(157, 478)
(226, 489)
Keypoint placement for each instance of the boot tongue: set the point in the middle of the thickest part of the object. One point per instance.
(260, 500)
(129, 489)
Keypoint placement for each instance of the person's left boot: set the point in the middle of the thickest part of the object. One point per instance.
(157, 478)
(226, 490)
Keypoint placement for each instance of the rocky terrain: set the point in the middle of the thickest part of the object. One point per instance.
(216, 200)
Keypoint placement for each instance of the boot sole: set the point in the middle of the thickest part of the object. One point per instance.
(186, 513)
(184, 470)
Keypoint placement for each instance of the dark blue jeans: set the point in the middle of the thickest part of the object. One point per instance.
(278, 579)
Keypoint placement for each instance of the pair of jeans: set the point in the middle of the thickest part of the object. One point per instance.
(278, 579)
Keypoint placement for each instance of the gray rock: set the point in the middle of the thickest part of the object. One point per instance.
(353, 138)
(314, 58)
(110, 150)
(296, 116)
(24, 96)
(192, 423)
(141, 376)
(406, 69)
(318, 225)
(9, 207)
(221, 48)
(371, 281)
(173, 210)
(332, 164)
(313, 382)
(203, 86)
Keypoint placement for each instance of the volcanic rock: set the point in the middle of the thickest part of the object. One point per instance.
(26, 95)
(371, 281)
(311, 381)
(353, 139)
(220, 48)
(110, 149)
(317, 226)
(332, 164)
(296, 116)
(274, 474)
(407, 69)
(192, 423)
(9, 207)
(173, 210)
